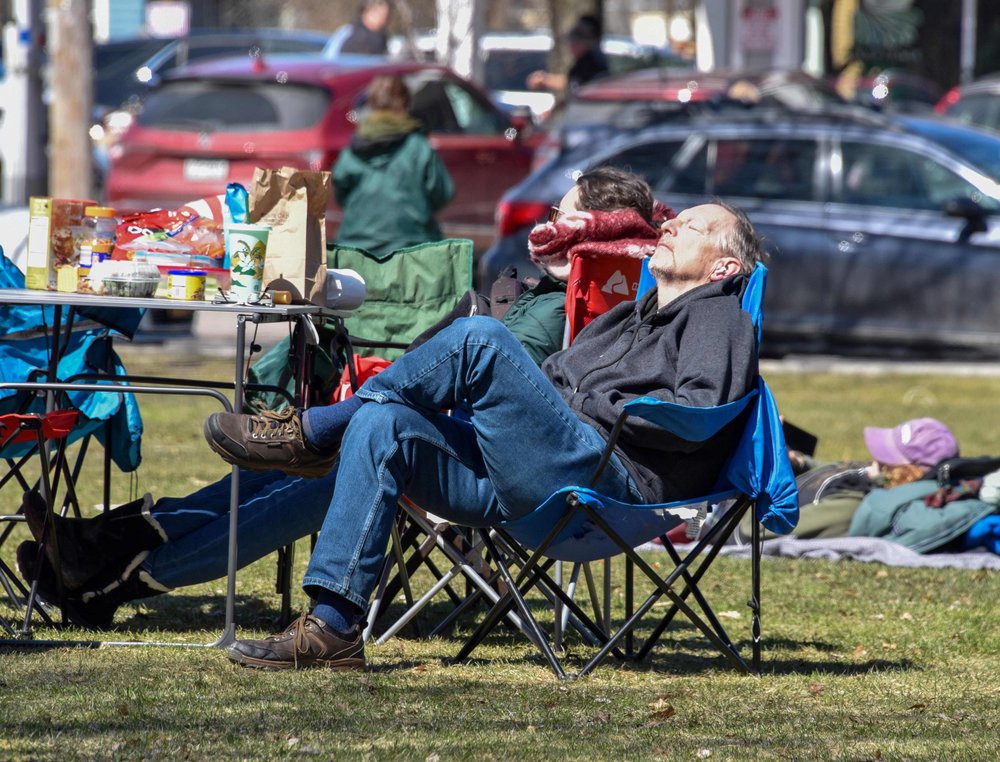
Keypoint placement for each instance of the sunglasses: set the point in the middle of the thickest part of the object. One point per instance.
(554, 212)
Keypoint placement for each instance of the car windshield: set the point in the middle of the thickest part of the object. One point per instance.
(979, 149)
(508, 69)
(115, 65)
(981, 109)
(234, 106)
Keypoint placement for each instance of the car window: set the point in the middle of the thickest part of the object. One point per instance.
(773, 169)
(691, 178)
(977, 109)
(509, 69)
(878, 175)
(444, 106)
(234, 107)
(650, 160)
(194, 52)
(289, 45)
(474, 114)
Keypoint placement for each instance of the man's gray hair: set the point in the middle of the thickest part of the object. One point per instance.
(741, 240)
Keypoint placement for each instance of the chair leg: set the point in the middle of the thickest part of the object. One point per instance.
(755, 630)
(713, 539)
(283, 583)
(663, 588)
(522, 605)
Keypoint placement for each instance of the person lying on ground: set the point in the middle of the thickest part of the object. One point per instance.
(829, 494)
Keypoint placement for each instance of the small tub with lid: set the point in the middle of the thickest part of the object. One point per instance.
(186, 284)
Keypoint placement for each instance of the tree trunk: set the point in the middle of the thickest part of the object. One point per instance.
(461, 24)
(71, 54)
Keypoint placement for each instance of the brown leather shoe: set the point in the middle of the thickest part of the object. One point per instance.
(269, 442)
(306, 642)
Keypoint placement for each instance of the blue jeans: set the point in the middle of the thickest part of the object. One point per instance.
(519, 444)
(275, 510)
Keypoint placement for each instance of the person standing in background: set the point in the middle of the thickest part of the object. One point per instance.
(389, 181)
(589, 63)
(366, 34)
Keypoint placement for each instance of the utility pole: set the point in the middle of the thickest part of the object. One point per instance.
(967, 58)
(71, 56)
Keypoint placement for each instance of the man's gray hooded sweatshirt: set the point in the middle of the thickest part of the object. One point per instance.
(699, 350)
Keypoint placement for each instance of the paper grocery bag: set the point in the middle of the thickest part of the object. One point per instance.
(293, 203)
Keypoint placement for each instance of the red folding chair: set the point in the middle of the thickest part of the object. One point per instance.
(41, 438)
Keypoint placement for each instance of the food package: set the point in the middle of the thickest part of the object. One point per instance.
(124, 278)
(185, 237)
(54, 225)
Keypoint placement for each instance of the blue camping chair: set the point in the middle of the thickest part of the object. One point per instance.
(33, 350)
(578, 524)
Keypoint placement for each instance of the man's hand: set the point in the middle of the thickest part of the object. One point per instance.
(537, 80)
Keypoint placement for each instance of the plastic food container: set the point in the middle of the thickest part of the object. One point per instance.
(125, 278)
(186, 284)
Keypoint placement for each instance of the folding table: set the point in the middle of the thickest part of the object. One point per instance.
(64, 303)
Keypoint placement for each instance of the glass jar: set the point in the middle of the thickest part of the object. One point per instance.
(99, 226)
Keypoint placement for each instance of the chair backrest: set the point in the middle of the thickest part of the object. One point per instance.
(24, 356)
(759, 468)
(407, 290)
(596, 284)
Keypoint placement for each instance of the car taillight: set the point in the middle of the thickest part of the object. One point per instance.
(950, 99)
(514, 215)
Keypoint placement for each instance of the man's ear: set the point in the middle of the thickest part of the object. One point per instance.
(723, 268)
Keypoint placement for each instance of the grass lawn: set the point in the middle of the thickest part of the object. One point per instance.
(860, 661)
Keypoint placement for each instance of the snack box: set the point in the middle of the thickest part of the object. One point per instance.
(54, 224)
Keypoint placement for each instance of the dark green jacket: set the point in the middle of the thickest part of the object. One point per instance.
(389, 185)
(538, 318)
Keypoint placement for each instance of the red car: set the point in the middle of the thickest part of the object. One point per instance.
(212, 123)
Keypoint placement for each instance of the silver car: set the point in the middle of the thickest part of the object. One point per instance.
(884, 232)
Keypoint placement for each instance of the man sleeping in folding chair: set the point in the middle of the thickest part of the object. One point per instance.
(529, 432)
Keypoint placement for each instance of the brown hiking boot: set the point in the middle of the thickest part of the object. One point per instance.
(306, 642)
(268, 442)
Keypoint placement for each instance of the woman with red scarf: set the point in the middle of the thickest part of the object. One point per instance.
(607, 212)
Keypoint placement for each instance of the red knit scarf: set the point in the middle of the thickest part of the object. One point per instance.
(623, 232)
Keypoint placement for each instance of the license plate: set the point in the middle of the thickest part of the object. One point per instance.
(206, 169)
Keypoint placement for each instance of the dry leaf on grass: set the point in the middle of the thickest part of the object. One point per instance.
(662, 710)
(859, 652)
(816, 689)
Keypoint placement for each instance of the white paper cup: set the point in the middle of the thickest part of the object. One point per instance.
(246, 247)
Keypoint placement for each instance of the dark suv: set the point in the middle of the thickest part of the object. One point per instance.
(883, 231)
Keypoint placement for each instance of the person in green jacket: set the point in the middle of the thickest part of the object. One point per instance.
(389, 181)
